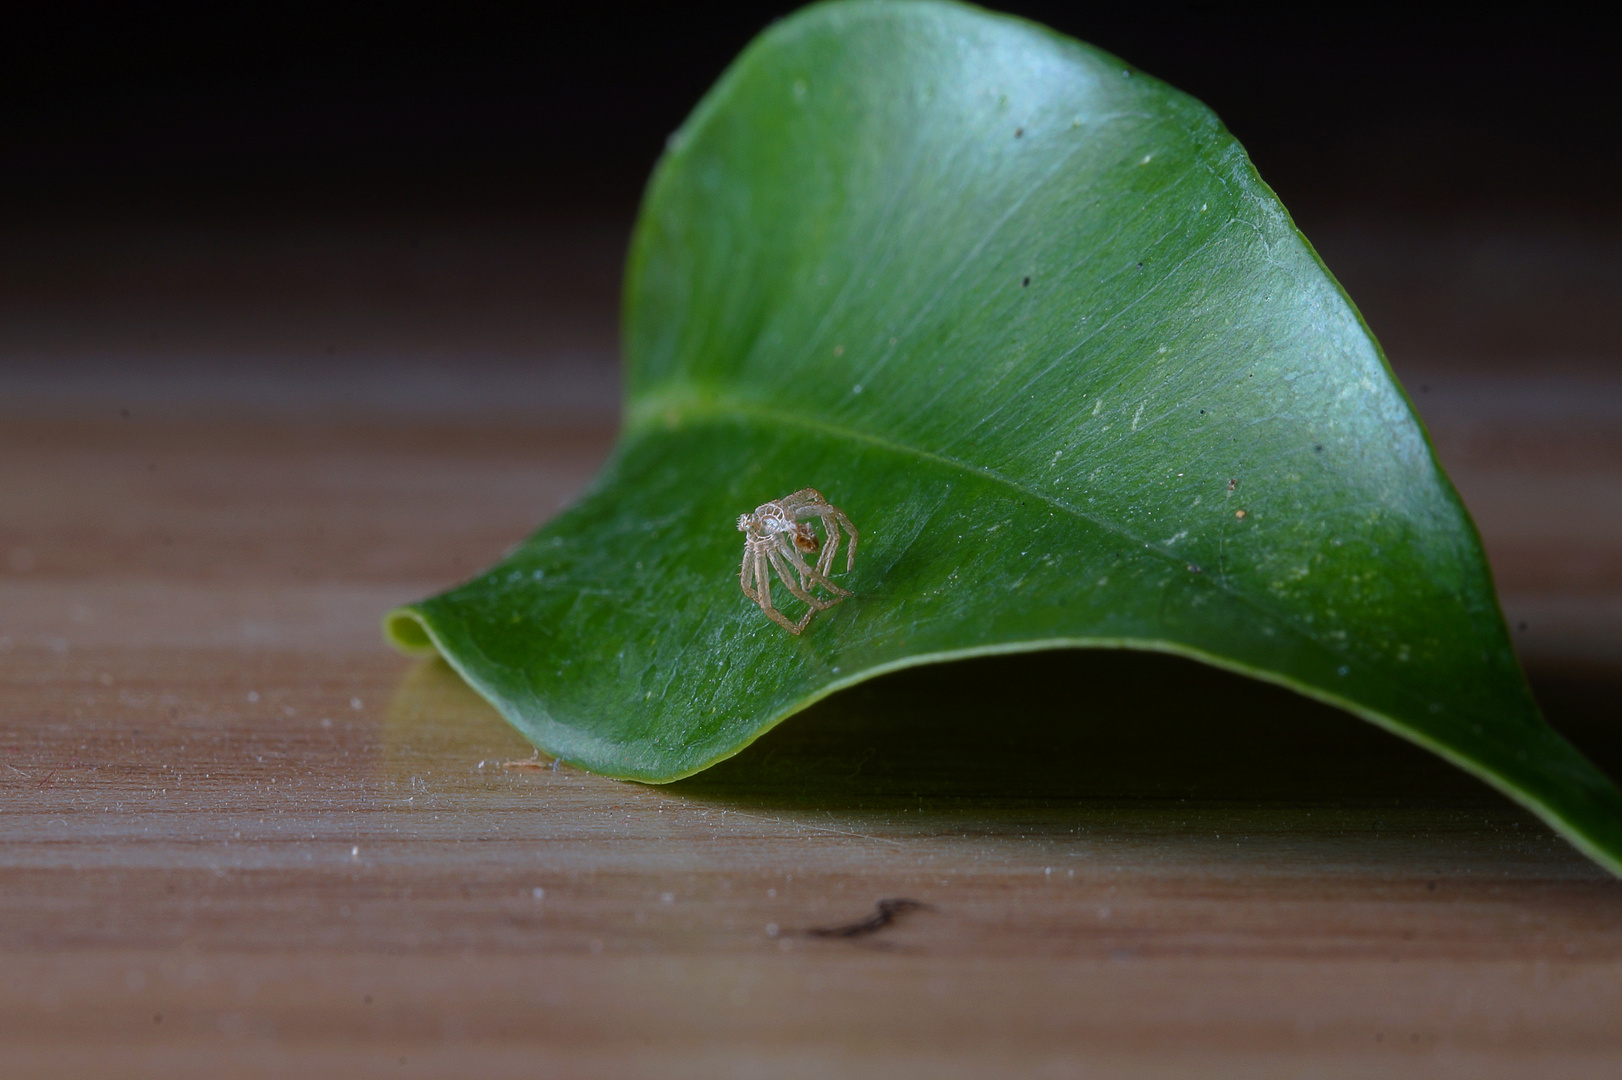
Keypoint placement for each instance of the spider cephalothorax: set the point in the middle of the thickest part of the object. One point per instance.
(777, 533)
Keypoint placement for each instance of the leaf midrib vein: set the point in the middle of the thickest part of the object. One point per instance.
(651, 412)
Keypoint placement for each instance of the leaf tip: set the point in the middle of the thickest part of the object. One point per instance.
(405, 630)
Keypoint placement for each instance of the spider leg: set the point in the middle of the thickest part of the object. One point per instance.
(763, 582)
(791, 552)
(844, 523)
(802, 498)
(765, 597)
(786, 573)
(781, 545)
(746, 572)
(759, 576)
(810, 503)
(819, 576)
(808, 576)
(830, 546)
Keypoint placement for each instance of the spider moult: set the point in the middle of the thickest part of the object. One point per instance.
(778, 536)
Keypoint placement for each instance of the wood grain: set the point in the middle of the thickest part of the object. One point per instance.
(238, 837)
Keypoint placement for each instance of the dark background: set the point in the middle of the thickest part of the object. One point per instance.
(364, 206)
(251, 109)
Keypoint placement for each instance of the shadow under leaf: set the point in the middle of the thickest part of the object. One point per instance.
(1046, 728)
(1079, 725)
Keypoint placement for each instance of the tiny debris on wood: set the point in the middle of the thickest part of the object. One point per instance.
(533, 763)
(885, 912)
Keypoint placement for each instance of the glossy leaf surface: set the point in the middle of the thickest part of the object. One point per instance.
(1031, 319)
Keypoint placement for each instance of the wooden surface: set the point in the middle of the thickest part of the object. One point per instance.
(239, 837)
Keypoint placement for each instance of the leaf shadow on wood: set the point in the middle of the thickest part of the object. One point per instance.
(1095, 726)
(1109, 730)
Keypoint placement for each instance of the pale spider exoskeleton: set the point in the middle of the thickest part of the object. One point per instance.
(780, 534)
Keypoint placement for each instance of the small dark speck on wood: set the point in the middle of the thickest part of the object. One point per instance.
(884, 913)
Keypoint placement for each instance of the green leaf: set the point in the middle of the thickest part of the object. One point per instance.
(1032, 320)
